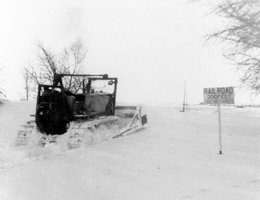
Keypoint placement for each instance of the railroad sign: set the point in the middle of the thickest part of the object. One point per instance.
(219, 95)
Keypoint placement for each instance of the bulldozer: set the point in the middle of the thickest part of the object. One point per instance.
(81, 109)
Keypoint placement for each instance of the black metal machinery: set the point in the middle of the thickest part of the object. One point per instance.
(72, 97)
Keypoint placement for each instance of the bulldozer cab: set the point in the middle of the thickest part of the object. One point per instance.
(73, 97)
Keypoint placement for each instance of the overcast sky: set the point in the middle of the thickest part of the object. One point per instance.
(152, 46)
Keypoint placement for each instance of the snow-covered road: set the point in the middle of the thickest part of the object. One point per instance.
(175, 158)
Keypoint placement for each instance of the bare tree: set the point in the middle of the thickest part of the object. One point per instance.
(2, 92)
(47, 64)
(30, 81)
(70, 61)
(27, 85)
(242, 33)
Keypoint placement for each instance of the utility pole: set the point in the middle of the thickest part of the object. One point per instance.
(184, 95)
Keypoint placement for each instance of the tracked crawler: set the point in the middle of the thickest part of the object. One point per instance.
(81, 109)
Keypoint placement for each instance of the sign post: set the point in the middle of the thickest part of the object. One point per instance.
(219, 129)
(220, 95)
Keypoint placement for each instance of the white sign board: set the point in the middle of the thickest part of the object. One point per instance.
(219, 95)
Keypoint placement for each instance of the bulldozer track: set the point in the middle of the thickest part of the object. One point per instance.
(84, 133)
(24, 134)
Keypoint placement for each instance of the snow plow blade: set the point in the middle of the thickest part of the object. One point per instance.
(127, 120)
(138, 119)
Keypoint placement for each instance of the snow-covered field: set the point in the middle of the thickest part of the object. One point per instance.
(175, 158)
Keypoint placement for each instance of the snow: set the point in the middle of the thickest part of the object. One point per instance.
(175, 158)
(12, 115)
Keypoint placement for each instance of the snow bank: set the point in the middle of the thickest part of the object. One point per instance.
(12, 115)
(176, 158)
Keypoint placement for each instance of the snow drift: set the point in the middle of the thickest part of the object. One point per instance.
(176, 158)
